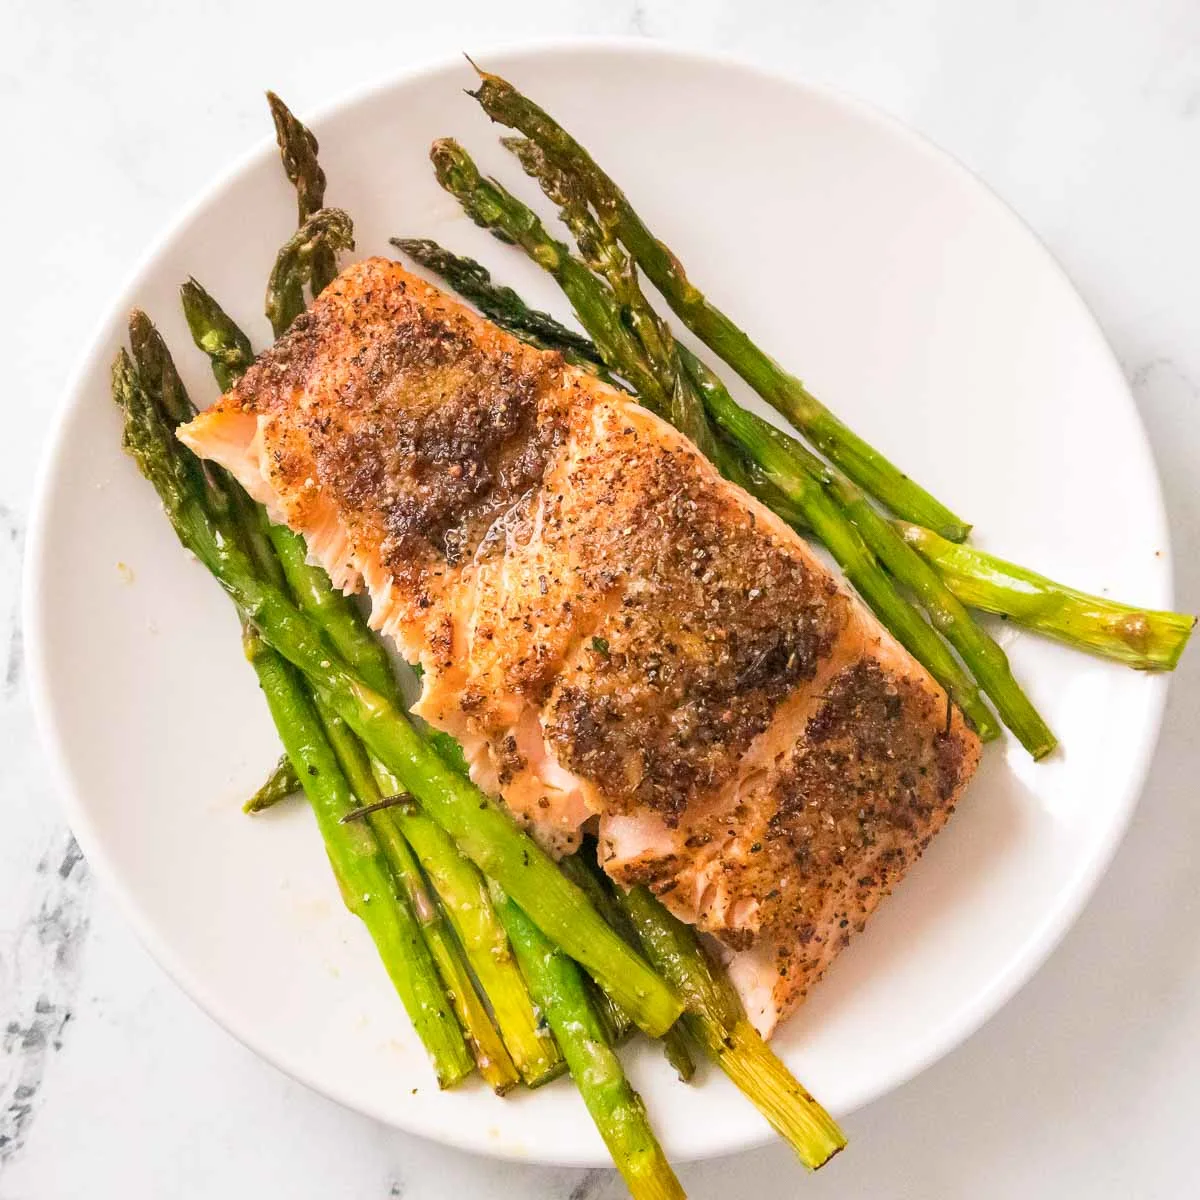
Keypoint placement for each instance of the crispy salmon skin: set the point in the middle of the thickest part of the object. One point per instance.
(610, 628)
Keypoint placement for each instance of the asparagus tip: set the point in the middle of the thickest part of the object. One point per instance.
(283, 117)
(476, 68)
(139, 326)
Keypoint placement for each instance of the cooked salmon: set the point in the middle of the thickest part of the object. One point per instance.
(612, 631)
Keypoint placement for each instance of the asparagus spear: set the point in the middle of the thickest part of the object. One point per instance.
(279, 785)
(782, 459)
(491, 206)
(366, 882)
(228, 348)
(614, 1016)
(1142, 638)
(980, 653)
(479, 928)
(473, 282)
(461, 888)
(580, 868)
(164, 389)
(365, 878)
(335, 612)
(479, 826)
(158, 372)
(847, 544)
(158, 376)
(343, 623)
(486, 1042)
(230, 352)
(298, 149)
(326, 231)
(682, 404)
(865, 465)
(616, 1108)
(499, 303)
(714, 1017)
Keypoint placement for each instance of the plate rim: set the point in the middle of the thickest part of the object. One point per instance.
(1041, 941)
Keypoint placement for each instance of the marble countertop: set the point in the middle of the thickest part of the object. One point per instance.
(1084, 115)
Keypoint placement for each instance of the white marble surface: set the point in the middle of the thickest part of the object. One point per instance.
(1084, 115)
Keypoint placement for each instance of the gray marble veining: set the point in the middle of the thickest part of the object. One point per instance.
(12, 541)
(41, 974)
(589, 1185)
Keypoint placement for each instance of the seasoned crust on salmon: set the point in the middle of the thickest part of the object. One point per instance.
(713, 624)
(788, 864)
(606, 624)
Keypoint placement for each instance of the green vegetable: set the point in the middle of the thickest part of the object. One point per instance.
(1142, 638)
(465, 895)
(228, 348)
(491, 206)
(485, 1039)
(298, 150)
(472, 281)
(715, 1019)
(347, 630)
(618, 1111)
(279, 785)
(583, 869)
(673, 395)
(324, 233)
(193, 497)
(792, 469)
(865, 465)
(481, 829)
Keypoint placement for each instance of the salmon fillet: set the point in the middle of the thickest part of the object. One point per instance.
(609, 628)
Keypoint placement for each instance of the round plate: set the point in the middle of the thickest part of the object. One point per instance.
(912, 300)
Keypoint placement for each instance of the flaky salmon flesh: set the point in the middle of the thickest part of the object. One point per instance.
(613, 632)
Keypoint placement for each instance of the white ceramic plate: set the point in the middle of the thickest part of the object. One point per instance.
(909, 298)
